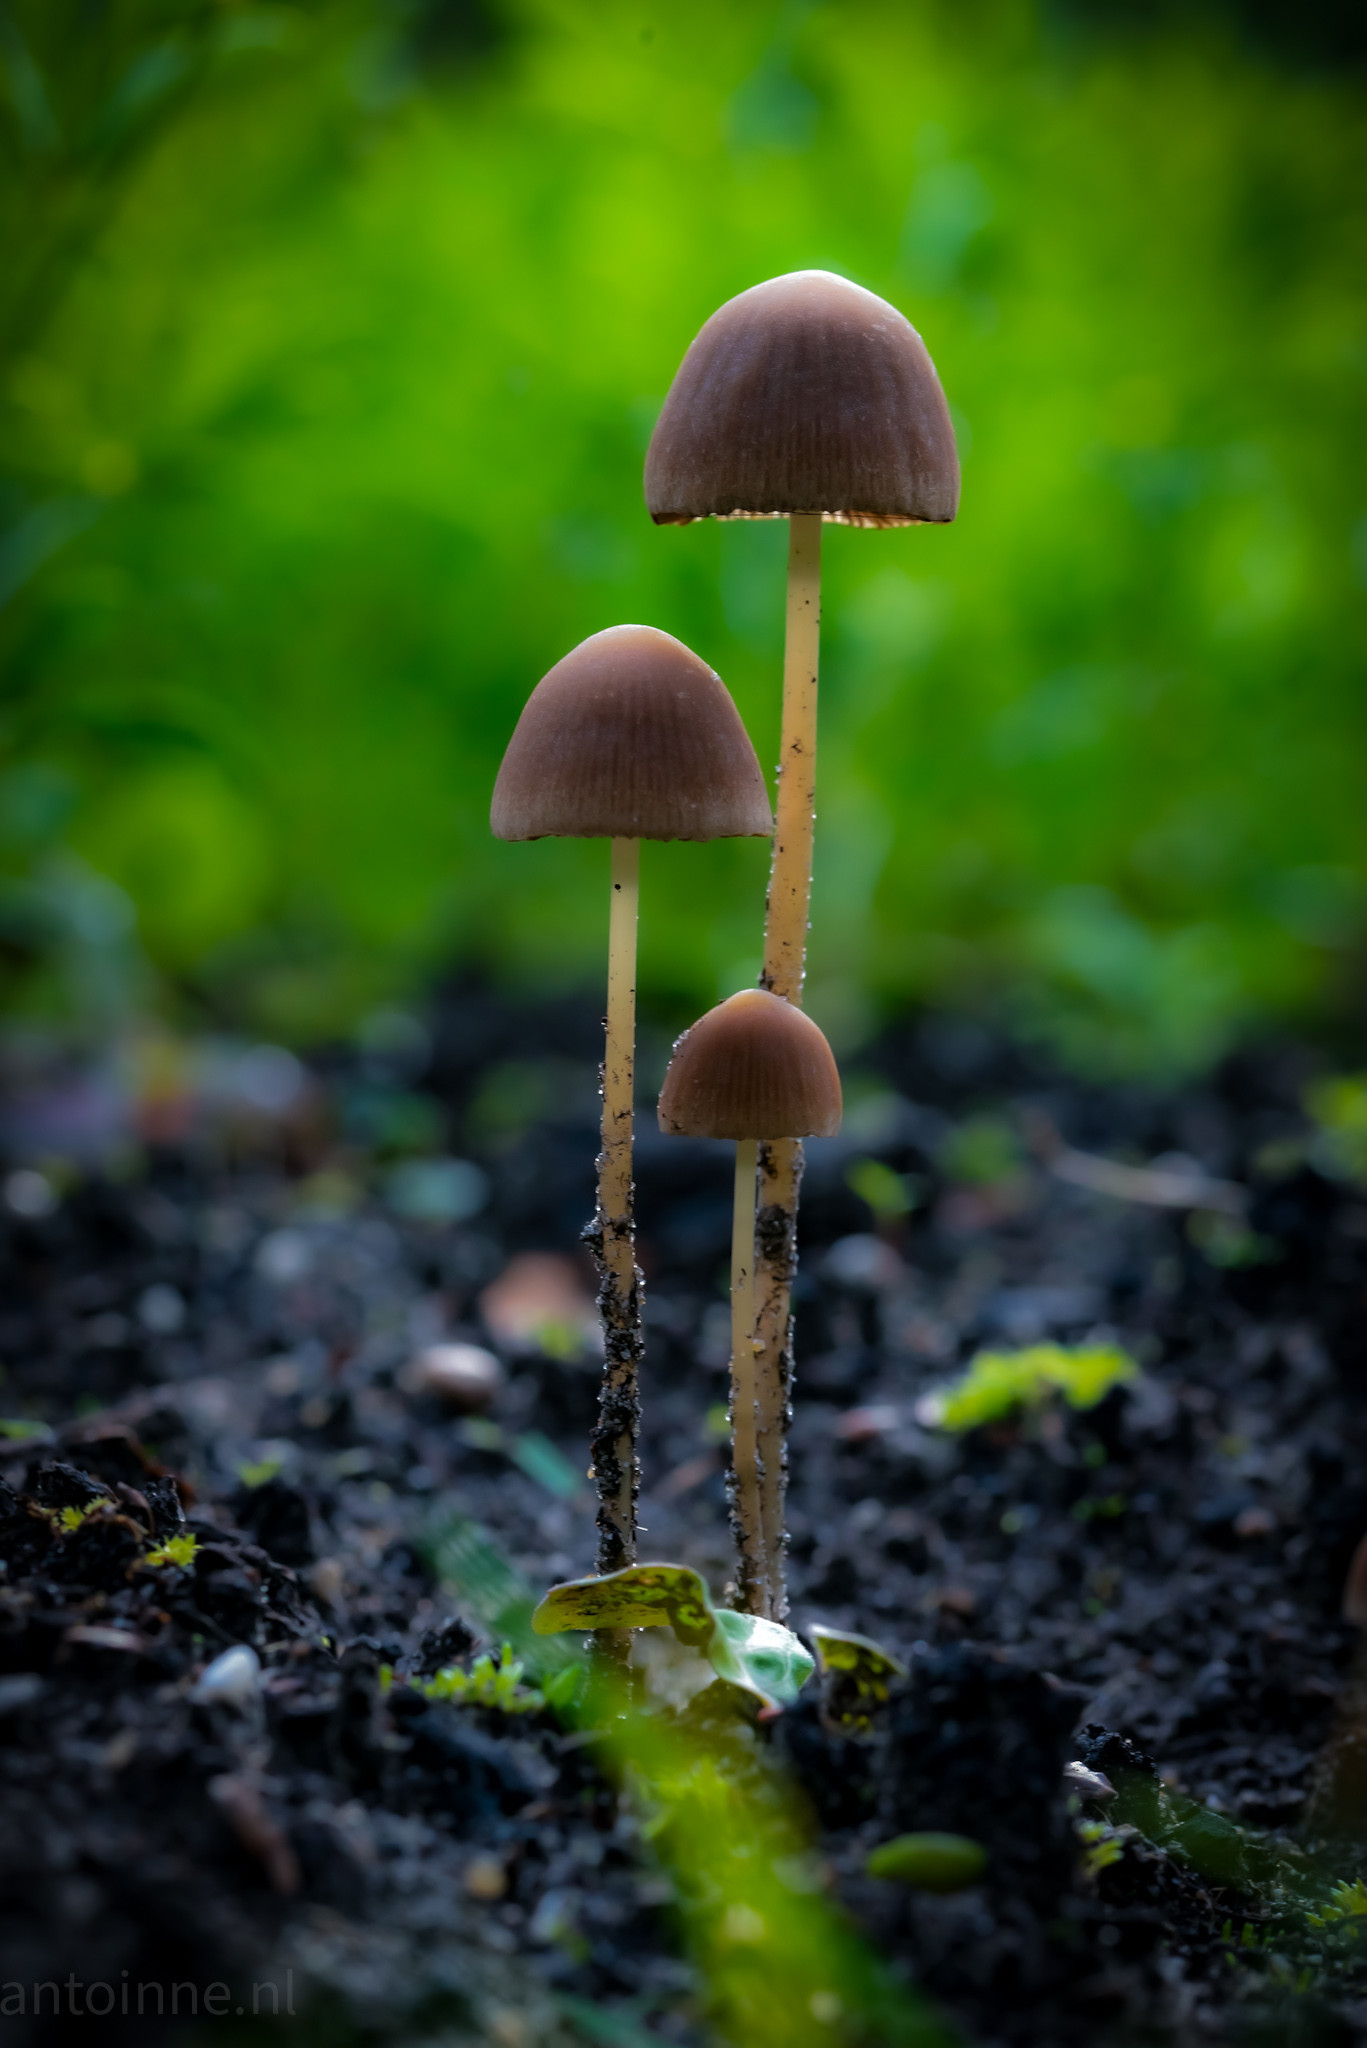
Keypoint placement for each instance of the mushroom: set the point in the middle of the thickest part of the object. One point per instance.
(630, 737)
(807, 398)
(754, 1068)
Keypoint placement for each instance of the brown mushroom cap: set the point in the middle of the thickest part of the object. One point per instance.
(631, 736)
(805, 394)
(755, 1067)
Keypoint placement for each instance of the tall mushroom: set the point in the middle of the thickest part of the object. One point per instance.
(755, 1068)
(630, 737)
(807, 398)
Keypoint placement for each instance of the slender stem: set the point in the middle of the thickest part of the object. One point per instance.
(746, 1509)
(785, 965)
(790, 876)
(619, 1069)
(612, 1239)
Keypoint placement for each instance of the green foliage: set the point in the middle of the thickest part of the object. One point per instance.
(461, 1555)
(72, 1518)
(1297, 1918)
(324, 385)
(932, 1863)
(487, 1683)
(176, 1550)
(20, 1429)
(1346, 1904)
(777, 1963)
(1001, 1383)
(889, 1194)
(756, 1656)
(531, 1452)
(1103, 1845)
(258, 1472)
(981, 1152)
(1338, 1106)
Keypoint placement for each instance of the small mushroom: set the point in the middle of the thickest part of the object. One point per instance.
(753, 1068)
(630, 737)
(809, 398)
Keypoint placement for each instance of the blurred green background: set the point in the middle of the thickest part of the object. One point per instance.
(332, 337)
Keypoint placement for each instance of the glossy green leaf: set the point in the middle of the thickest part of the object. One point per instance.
(761, 1655)
(857, 1675)
(758, 1656)
(641, 1596)
(933, 1863)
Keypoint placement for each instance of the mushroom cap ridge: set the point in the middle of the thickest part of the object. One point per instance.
(631, 736)
(754, 1067)
(805, 394)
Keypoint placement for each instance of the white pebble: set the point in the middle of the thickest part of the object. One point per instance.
(161, 1309)
(29, 1194)
(232, 1680)
(465, 1376)
(1093, 1785)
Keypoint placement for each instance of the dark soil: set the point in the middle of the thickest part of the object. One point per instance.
(218, 1328)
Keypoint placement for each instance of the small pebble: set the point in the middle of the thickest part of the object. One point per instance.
(328, 1581)
(464, 1376)
(485, 1878)
(862, 1425)
(232, 1680)
(29, 1194)
(19, 1689)
(1088, 1784)
(161, 1310)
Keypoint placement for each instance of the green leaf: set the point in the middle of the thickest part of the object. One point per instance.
(1001, 1383)
(760, 1655)
(756, 1655)
(21, 1431)
(640, 1596)
(933, 1863)
(858, 1675)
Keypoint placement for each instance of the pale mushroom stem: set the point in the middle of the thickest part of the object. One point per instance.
(785, 961)
(612, 1239)
(746, 1479)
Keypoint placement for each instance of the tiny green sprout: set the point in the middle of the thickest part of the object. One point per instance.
(1227, 1242)
(1002, 1383)
(982, 1152)
(1346, 1902)
(888, 1193)
(20, 1430)
(493, 1683)
(1338, 1106)
(1102, 1845)
(252, 1476)
(1103, 1507)
(933, 1863)
(176, 1550)
(73, 1518)
(486, 1684)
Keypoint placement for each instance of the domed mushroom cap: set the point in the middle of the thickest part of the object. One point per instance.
(805, 394)
(754, 1067)
(631, 736)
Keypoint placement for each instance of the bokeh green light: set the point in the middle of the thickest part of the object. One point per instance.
(329, 363)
